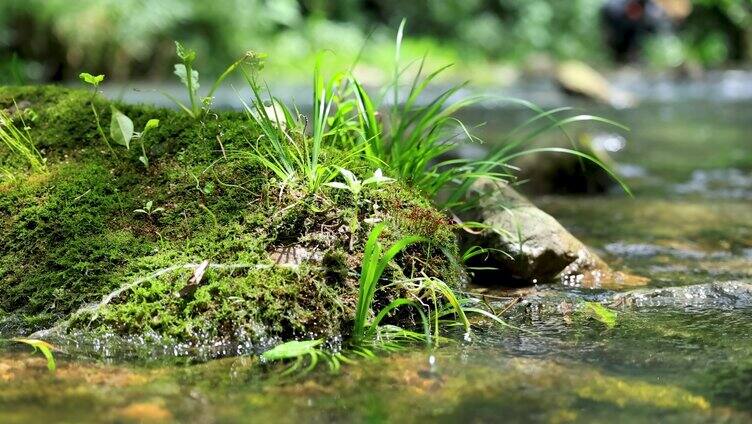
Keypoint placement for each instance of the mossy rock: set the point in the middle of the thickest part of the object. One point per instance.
(71, 235)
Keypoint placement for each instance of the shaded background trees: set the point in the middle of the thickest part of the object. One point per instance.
(52, 40)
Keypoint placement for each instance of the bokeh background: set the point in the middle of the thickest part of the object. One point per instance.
(488, 40)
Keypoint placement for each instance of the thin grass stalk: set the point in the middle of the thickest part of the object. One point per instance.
(20, 143)
(398, 47)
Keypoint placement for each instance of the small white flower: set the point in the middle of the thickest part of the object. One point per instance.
(378, 178)
(354, 185)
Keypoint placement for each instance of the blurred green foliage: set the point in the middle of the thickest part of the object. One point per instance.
(54, 39)
(716, 33)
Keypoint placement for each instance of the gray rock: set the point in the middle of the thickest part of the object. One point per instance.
(565, 173)
(17, 107)
(527, 244)
(728, 294)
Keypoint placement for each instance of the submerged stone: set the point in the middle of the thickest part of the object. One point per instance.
(590, 271)
(727, 294)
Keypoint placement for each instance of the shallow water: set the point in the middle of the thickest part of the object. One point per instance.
(690, 164)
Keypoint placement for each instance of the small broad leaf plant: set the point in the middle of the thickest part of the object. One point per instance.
(149, 210)
(121, 130)
(94, 81)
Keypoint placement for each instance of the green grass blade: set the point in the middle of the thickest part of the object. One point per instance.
(43, 347)
(600, 164)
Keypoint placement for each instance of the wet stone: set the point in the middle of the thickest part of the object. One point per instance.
(730, 294)
(528, 245)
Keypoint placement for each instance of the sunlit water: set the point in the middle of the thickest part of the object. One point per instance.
(688, 360)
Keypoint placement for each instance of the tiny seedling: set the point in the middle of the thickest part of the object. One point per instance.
(121, 130)
(41, 346)
(94, 81)
(121, 126)
(149, 210)
(189, 77)
(150, 124)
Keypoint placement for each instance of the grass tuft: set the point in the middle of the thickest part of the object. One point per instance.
(419, 138)
(19, 142)
(374, 263)
(285, 147)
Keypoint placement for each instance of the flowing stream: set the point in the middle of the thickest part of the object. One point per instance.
(683, 354)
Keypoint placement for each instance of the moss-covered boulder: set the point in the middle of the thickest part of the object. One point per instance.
(72, 234)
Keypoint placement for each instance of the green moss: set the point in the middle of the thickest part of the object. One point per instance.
(62, 242)
(275, 300)
(70, 235)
